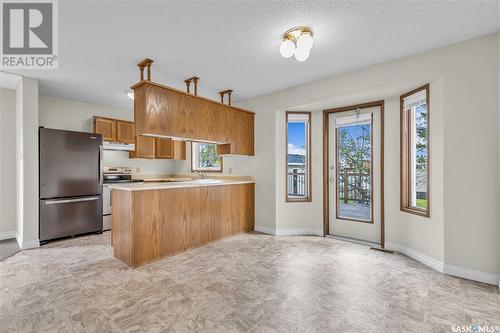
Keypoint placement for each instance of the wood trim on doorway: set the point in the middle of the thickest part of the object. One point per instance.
(326, 199)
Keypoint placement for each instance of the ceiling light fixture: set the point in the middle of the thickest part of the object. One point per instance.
(297, 41)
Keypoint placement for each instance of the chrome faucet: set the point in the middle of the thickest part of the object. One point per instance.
(201, 174)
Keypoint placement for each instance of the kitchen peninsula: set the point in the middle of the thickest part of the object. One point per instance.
(154, 220)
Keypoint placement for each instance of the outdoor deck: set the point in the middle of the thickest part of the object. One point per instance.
(354, 211)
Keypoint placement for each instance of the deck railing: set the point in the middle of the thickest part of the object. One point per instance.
(354, 187)
(296, 184)
(357, 189)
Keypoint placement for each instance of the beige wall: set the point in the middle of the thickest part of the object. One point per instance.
(463, 229)
(27, 162)
(8, 164)
(471, 155)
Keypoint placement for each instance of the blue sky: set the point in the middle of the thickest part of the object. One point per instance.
(296, 134)
(355, 130)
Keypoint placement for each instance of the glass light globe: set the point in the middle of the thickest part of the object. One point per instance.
(287, 48)
(130, 93)
(305, 41)
(301, 54)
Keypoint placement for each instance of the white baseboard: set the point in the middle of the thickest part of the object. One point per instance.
(289, 231)
(19, 241)
(472, 274)
(7, 235)
(265, 230)
(31, 244)
(354, 240)
(424, 259)
(299, 232)
(26, 245)
(462, 272)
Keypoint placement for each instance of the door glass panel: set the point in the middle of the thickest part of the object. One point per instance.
(354, 167)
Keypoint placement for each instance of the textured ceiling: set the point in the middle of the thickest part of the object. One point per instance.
(235, 44)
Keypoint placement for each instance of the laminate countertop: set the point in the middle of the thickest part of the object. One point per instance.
(165, 185)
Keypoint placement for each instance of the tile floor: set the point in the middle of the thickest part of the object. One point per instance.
(8, 248)
(247, 283)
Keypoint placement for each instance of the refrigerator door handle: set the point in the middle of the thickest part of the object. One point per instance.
(100, 166)
(55, 202)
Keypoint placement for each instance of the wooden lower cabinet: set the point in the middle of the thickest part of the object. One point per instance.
(152, 224)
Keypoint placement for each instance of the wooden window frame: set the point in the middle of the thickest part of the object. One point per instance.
(193, 169)
(337, 207)
(405, 156)
(308, 197)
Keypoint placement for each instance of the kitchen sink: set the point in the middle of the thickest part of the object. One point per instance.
(184, 180)
(167, 180)
(207, 181)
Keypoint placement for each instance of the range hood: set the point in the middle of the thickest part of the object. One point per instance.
(118, 146)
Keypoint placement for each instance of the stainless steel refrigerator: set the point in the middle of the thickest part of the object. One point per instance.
(70, 183)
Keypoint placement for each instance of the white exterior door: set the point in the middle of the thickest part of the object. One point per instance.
(354, 168)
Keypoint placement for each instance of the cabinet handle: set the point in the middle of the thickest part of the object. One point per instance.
(55, 202)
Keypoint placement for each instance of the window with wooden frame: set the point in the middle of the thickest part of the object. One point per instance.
(298, 156)
(415, 153)
(204, 157)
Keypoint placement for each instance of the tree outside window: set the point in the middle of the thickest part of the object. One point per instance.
(204, 157)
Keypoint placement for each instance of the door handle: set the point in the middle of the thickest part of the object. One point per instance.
(55, 202)
(100, 166)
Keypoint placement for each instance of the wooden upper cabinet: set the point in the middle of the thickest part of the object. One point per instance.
(170, 149)
(125, 131)
(106, 127)
(144, 147)
(114, 130)
(164, 148)
(165, 111)
(179, 150)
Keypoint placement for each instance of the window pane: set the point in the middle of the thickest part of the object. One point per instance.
(354, 164)
(205, 158)
(297, 156)
(419, 194)
(415, 151)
